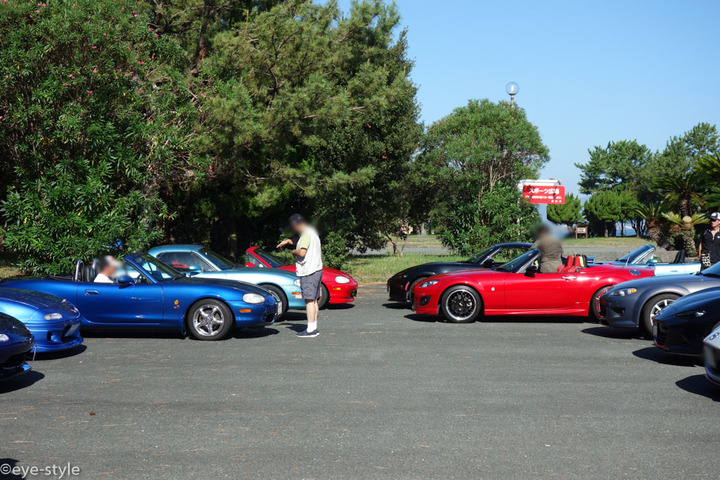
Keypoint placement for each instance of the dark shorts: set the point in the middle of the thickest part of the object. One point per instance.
(311, 285)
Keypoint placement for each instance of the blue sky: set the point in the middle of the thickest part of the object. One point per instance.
(589, 72)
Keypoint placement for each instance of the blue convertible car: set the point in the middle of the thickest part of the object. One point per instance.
(202, 262)
(54, 322)
(148, 293)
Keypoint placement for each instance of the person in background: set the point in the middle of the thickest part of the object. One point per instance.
(308, 266)
(709, 249)
(550, 250)
(107, 268)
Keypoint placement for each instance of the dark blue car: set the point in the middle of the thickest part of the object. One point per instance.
(15, 343)
(53, 321)
(146, 293)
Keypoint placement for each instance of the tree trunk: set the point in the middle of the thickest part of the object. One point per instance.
(607, 231)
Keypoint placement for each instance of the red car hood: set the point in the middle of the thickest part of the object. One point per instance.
(463, 273)
(326, 270)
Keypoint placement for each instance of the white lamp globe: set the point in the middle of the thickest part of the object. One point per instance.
(512, 88)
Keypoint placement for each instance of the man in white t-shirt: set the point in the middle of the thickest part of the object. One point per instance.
(107, 268)
(308, 266)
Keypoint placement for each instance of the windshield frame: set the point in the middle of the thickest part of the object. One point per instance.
(517, 263)
(631, 258)
(483, 254)
(269, 258)
(139, 259)
(216, 259)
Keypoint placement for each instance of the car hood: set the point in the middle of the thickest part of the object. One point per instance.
(33, 299)
(708, 300)
(480, 272)
(686, 279)
(269, 271)
(434, 265)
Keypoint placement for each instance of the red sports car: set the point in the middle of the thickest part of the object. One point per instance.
(516, 288)
(337, 287)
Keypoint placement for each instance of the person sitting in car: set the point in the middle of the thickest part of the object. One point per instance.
(107, 267)
(550, 250)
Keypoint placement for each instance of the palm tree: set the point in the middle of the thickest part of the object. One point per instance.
(652, 213)
(685, 226)
(683, 189)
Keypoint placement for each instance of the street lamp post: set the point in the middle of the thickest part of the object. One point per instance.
(512, 89)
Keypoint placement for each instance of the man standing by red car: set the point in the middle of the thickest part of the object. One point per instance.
(308, 266)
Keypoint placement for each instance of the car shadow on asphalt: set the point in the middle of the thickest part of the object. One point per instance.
(660, 356)
(415, 317)
(397, 305)
(62, 354)
(699, 385)
(21, 381)
(614, 333)
(252, 332)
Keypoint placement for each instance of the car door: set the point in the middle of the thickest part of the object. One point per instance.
(113, 304)
(544, 291)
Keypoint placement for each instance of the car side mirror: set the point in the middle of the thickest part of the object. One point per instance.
(488, 263)
(249, 264)
(531, 271)
(125, 281)
(194, 269)
(652, 261)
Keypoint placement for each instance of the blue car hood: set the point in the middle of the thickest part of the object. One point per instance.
(33, 299)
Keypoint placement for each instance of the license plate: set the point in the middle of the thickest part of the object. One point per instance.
(655, 331)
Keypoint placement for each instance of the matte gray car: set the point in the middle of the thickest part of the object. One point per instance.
(635, 304)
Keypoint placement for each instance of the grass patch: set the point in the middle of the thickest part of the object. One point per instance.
(612, 242)
(378, 268)
(7, 261)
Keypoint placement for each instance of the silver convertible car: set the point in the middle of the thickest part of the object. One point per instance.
(645, 256)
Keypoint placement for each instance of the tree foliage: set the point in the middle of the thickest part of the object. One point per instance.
(92, 129)
(468, 166)
(568, 213)
(616, 166)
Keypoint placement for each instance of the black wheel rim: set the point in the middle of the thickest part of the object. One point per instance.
(461, 304)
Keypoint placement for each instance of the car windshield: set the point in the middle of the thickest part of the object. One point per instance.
(223, 263)
(273, 260)
(516, 263)
(156, 269)
(479, 256)
(637, 255)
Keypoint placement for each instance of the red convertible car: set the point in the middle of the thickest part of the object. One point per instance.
(516, 288)
(337, 287)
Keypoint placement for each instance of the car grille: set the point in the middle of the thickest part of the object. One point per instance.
(662, 334)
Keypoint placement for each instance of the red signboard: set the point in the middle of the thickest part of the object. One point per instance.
(552, 194)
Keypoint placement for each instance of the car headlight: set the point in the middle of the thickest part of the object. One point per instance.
(4, 338)
(52, 316)
(296, 282)
(341, 279)
(429, 283)
(623, 292)
(253, 298)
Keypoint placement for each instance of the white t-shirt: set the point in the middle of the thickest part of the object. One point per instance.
(102, 278)
(312, 261)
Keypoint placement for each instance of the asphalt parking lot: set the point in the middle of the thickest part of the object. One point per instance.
(380, 394)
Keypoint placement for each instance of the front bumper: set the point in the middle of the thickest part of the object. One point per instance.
(619, 312)
(424, 303)
(683, 339)
(258, 315)
(397, 290)
(342, 292)
(712, 364)
(56, 336)
(13, 359)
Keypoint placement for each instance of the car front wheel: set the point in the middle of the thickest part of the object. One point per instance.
(461, 304)
(209, 320)
(652, 308)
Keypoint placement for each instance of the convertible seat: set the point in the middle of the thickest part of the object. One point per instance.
(580, 262)
(88, 274)
(680, 257)
(569, 265)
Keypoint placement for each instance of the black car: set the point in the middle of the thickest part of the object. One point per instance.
(401, 284)
(682, 326)
(15, 342)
